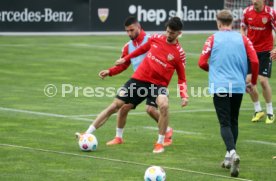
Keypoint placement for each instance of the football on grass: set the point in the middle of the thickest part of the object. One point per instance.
(88, 142)
(155, 173)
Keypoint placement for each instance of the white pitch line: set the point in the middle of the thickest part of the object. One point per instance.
(96, 46)
(261, 142)
(86, 115)
(78, 117)
(175, 131)
(140, 113)
(152, 128)
(43, 114)
(81, 45)
(175, 111)
(120, 161)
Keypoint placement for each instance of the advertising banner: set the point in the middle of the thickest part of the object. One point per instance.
(103, 15)
(109, 15)
(44, 16)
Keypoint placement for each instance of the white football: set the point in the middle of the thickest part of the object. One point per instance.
(88, 142)
(155, 173)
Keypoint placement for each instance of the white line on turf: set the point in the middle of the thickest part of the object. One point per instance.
(120, 161)
(91, 33)
(261, 142)
(43, 114)
(90, 120)
(175, 131)
(78, 117)
(85, 115)
(79, 45)
(140, 113)
(175, 111)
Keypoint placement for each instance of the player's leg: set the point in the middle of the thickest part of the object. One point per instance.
(163, 104)
(152, 110)
(104, 115)
(267, 93)
(129, 94)
(266, 88)
(222, 105)
(265, 74)
(121, 121)
(235, 101)
(122, 97)
(254, 95)
(223, 110)
(122, 115)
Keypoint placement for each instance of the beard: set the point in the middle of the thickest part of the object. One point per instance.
(170, 40)
(134, 37)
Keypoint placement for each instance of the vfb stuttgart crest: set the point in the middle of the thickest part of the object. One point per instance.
(103, 14)
(170, 57)
(264, 20)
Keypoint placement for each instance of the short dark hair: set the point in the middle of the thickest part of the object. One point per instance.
(225, 17)
(130, 20)
(174, 23)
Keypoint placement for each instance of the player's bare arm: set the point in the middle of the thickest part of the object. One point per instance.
(120, 61)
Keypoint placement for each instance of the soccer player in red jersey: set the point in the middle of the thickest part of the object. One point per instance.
(138, 37)
(164, 56)
(257, 23)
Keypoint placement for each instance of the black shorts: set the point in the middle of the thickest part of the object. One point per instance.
(265, 64)
(135, 91)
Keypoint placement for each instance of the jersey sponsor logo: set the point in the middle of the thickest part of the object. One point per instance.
(170, 57)
(103, 14)
(264, 20)
(152, 57)
(256, 28)
(250, 19)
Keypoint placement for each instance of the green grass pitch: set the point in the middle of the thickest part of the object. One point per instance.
(37, 132)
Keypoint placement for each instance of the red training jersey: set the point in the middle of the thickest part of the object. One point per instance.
(161, 61)
(120, 68)
(259, 27)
